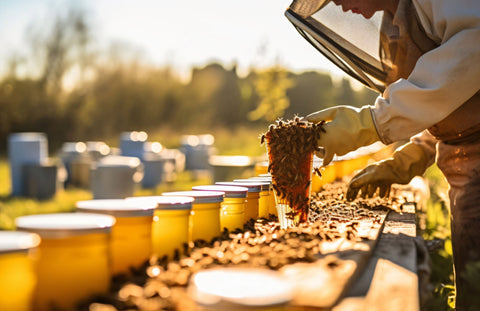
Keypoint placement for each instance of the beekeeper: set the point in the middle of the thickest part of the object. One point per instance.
(425, 63)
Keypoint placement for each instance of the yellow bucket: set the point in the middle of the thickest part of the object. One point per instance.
(238, 289)
(131, 242)
(233, 205)
(264, 199)
(18, 254)
(205, 214)
(261, 168)
(347, 167)
(329, 175)
(74, 257)
(252, 204)
(171, 222)
(272, 209)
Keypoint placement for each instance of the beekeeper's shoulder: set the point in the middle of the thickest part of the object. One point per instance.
(442, 19)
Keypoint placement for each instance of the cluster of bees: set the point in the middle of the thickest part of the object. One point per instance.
(290, 146)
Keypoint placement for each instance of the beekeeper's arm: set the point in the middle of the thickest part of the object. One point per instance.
(441, 81)
(408, 161)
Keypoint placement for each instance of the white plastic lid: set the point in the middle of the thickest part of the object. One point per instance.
(28, 136)
(166, 202)
(218, 160)
(251, 287)
(264, 184)
(116, 207)
(119, 161)
(17, 241)
(74, 147)
(140, 136)
(62, 225)
(230, 191)
(253, 188)
(200, 196)
(261, 178)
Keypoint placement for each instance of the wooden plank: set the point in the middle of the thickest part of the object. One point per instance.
(389, 281)
(320, 285)
(393, 288)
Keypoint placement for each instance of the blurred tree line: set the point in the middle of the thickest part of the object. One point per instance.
(75, 92)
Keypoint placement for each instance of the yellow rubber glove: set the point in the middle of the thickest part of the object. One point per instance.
(347, 129)
(408, 161)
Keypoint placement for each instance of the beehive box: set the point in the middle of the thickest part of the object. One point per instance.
(321, 258)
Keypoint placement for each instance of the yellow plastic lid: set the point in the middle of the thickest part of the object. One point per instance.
(166, 202)
(200, 196)
(250, 287)
(116, 207)
(230, 191)
(62, 225)
(17, 241)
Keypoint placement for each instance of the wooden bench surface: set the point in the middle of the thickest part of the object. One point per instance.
(389, 281)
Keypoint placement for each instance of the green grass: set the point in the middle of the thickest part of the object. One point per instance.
(12, 207)
(438, 228)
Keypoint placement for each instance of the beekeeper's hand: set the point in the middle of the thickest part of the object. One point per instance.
(347, 129)
(408, 161)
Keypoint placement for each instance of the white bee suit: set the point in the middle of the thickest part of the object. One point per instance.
(443, 79)
(425, 62)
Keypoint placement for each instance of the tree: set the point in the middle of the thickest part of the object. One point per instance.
(62, 47)
(271, 87)
(344, 94)
(312, 91)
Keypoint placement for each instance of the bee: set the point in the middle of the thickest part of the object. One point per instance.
(262, 139)
(307, 184)
(321, 126)
(277, 191)
(317, 171)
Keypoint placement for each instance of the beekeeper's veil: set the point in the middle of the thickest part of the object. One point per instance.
(374, 51)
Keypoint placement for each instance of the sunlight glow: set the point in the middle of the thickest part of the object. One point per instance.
(178, 34)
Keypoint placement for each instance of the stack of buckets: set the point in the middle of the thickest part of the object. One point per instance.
(56, 261)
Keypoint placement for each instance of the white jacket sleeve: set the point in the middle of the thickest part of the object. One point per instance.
(442, 79)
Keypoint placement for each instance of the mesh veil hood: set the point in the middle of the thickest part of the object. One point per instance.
(349, 40)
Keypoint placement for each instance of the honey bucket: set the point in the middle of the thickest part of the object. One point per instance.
(232, 213)
(205, 214)
(18, 254)
(252, 203)
(171, 222)
(74, 257)
(131, 242)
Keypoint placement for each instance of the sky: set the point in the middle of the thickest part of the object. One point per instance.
(182, 33)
